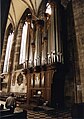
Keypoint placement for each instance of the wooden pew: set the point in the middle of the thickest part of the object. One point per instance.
(6, 114)
(11, 116)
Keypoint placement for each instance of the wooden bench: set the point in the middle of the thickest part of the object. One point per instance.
(11, 116)
(6, 114)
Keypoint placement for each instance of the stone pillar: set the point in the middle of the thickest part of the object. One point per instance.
(9, 82)
(3, 55)
(3, 52)
(18, 45)
(78, 11)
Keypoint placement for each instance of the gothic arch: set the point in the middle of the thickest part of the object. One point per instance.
(7, 32)
(9, 29)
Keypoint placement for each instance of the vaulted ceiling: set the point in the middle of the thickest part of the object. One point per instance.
(17, 8)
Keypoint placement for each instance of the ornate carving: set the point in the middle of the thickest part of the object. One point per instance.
(20, 79)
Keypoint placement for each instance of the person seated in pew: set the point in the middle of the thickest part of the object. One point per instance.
(10, 102)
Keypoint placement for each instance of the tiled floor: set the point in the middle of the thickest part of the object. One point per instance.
(42, 115)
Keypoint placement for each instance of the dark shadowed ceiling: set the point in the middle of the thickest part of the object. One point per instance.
(5, 4)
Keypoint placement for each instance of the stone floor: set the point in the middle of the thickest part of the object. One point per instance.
(43, 115)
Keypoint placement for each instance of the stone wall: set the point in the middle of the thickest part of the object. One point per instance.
(78, 11)
(18, 87)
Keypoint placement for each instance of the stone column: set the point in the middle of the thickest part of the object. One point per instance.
(78, 12)
(18, 45)
(3, 52)
(9, 82)
(3, 55)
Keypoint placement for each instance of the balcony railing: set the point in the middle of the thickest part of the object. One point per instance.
(39, 62)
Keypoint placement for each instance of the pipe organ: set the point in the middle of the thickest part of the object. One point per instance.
(43, 39)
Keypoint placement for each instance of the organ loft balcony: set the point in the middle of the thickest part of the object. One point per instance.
(49, 63)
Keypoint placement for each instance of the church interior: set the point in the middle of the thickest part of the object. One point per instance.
(42, 55)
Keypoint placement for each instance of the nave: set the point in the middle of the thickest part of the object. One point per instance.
(42, 55)
(38, 114)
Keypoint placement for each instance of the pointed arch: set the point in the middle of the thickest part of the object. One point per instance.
(10, 35)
